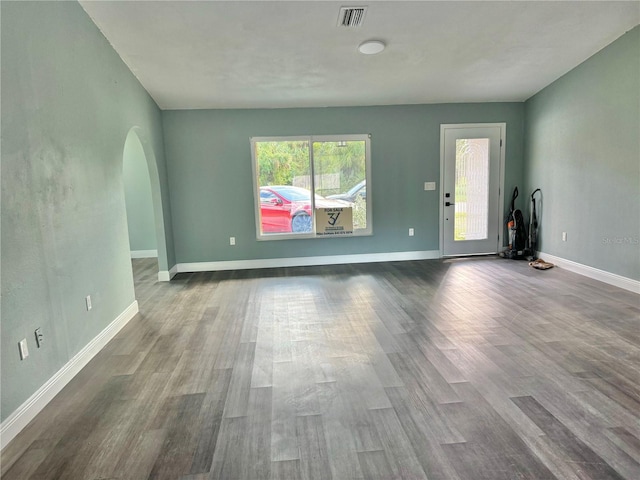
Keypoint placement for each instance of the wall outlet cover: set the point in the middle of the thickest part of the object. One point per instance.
(23, 349)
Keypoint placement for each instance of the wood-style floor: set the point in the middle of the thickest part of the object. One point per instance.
(462, 370)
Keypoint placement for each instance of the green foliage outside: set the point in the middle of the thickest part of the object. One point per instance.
(460, 226)
(462, 154)
(347, 159)
(359, 213)
(280, 163)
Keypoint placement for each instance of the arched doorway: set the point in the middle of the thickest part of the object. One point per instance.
(143, 200)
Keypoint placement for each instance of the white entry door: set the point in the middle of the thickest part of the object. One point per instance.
(471, 179)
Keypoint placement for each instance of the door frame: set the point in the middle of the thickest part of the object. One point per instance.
(503, 147)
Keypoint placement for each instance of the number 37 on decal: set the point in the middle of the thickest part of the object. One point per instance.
(334, 221)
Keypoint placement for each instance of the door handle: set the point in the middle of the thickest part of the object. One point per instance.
(448, 204)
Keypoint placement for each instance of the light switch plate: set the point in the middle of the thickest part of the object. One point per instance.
(429, 185)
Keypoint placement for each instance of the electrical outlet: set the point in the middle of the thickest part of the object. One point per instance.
(564, 236)
(88, 302)
(411, 232)
(22, 348)
(39, 337)
(232, 240)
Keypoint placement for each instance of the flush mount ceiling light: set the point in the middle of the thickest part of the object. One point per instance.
(371, 47)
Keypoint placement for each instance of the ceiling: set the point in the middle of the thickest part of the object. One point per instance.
(266, 54)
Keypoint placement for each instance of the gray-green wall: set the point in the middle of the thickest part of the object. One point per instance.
(68, 102)
(209, 163)
(137, 193)
(583, 149)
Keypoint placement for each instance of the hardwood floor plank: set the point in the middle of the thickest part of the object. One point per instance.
(375, 465)
(103, 457)
(587, 463)
(422, 433)
(314, 459)
(249, 333)
(588, 425)
(626, 441)
(237, 403)
(257, 443)
(141, 455)
(343, 410)
(345, 433)
(418, 398)
(229, 453)
(210, 420)
(262, 372)
(230, 339)
(284, 444)
(71, 454)
(396, 445)
(285, 470)
(415, 370)
(471, 462)
(26, 465)
(175, 456)
(488, 433)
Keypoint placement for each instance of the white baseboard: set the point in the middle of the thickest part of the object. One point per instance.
(167, 275)
(144, 253)
(19, 419)
(594, 273)
(306, 261)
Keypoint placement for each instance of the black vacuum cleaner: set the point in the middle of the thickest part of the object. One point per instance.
(517, 231)
(533, 226)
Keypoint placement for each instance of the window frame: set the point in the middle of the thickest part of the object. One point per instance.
(368, 231)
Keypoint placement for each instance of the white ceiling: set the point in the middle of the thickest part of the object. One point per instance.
(266, 54)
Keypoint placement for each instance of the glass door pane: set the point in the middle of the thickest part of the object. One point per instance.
(471, 189)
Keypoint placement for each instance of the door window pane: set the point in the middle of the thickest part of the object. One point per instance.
(471, 189)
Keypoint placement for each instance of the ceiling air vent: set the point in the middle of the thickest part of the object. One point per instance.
(351, 16)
